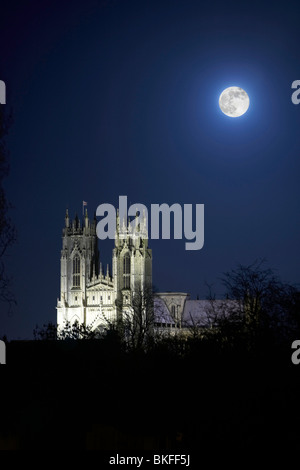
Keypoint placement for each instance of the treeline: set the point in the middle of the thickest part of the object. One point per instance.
(176, 396)
(233, 386)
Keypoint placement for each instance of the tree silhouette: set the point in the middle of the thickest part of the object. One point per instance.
(7, 229)
(74, 330)
(262, 305)
(135, 321)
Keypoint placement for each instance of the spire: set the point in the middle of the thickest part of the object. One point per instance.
(67, 220)
(118, 221)
(86, 219)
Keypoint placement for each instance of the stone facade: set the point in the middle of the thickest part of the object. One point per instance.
(95, 299)
(87, 294)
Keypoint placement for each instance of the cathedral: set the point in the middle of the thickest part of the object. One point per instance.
(89, 295)
(94, 298)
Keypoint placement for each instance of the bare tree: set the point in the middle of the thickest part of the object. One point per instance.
(261, 303)
(78, 330)
(7, 230)
(47, 332)
(204, 326)
(135, 320)
(74, 330)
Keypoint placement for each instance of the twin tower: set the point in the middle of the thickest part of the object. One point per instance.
(87, 293)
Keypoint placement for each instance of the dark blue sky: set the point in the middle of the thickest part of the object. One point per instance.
(121, 98)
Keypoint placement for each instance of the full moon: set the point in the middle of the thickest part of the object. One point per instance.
(234, 101)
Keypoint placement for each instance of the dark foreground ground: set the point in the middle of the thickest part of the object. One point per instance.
(78, 395)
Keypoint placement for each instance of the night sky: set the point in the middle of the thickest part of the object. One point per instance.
(118, 98)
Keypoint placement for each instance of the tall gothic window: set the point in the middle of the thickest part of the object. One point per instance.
(126, 272)
(76, 271)
(173, 311)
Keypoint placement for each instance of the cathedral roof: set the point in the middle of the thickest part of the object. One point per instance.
(201, 313)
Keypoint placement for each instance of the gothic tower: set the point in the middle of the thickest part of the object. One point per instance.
(86, 294)
(79, 262)
(132, 261)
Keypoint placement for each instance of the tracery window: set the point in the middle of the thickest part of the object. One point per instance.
(76, 271)
(126, 272)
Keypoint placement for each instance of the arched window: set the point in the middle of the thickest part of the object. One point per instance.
(173, 311)
(126, 272)
(76, 271)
